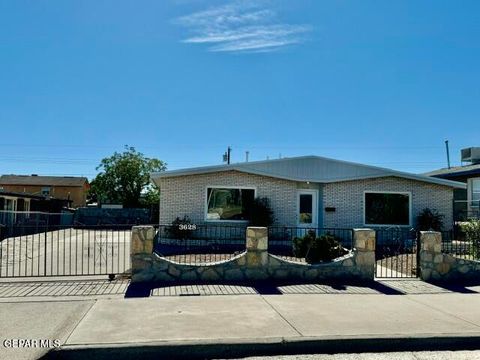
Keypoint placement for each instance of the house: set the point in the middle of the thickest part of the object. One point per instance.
(308, 191)
(467, 201)
(27, 209)
(68, 188)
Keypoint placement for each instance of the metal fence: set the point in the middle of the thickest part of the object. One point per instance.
(281, 240)
(193, 244)
(396, 253)
(64, 251)
(458, 244)
(20, 222)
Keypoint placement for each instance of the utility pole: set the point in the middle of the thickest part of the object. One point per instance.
(448, 153)
(226, 156)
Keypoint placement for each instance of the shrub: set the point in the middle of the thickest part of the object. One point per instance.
(430, 219)
(471, 229)
(259, 212)
(173, 231)
(315, 249)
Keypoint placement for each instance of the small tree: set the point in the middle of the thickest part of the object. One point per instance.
(124, 178)
(259, 212)
(430, 220)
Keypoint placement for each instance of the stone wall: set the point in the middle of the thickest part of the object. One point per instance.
(437, 266)
(254, 264)
(347, 197)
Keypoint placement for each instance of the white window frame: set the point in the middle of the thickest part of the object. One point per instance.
(240, 187)
(409, 193)
(314, 193)
(470, 194)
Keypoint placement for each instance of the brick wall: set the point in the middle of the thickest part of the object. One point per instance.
(347, 197)
(185, 195)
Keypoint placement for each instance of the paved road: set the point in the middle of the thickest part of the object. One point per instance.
(422, 355)
(38, 320)
(242, 319)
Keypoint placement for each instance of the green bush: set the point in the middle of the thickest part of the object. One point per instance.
(430, 219)
(471, 229)
(316, 249)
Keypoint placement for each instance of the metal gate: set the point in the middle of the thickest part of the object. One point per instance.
(396, 253)
(56, 250)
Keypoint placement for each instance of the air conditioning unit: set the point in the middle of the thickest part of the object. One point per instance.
(471, 154)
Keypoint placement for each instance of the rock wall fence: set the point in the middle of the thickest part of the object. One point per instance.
(253, 264)
(438, 266)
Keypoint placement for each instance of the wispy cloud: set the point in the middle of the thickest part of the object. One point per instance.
(241, 27)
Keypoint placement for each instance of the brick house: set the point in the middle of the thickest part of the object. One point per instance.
(70, 188)
(308, 191)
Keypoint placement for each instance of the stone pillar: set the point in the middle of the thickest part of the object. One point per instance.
(256, 258)
(364, 244)
(141, 249)
(431, 257)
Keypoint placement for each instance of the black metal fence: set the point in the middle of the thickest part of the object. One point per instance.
(193, 244)
(396, 253)
(30, 251)
(281, 240)
(458, 244)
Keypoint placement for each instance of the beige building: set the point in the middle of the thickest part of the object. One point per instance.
(307, 191)
(69, 188)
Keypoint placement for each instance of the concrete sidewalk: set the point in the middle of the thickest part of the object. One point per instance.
(230, 326)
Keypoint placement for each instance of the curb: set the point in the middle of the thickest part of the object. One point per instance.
(264, 347)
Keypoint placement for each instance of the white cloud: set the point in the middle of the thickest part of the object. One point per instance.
(241, 27)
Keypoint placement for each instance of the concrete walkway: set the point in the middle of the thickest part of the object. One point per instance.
(294, 319)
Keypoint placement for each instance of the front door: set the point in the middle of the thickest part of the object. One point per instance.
(307, 207)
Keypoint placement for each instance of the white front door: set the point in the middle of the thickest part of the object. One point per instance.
(307, 207)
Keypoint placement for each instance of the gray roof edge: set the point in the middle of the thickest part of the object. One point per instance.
(383, 172)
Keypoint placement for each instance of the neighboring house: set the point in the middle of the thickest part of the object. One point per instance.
(72, 189)
(307, 191)
(467, 201)
(22, 208)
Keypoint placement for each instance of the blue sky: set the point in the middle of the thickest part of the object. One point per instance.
(378, 82)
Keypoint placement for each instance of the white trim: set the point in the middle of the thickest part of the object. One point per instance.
(471, 205)
(205, 211)
(314, 193)
(410, 209)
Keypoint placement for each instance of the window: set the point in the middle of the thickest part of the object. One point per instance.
(228, 203)
(387, 208)
(46, 191)
(475, 192)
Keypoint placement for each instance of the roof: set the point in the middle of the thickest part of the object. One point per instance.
(309, 168)
(42, 180)
(456, 171)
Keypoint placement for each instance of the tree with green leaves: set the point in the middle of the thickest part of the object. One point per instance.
(124, 178)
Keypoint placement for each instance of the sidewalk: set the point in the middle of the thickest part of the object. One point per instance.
(248, 324)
